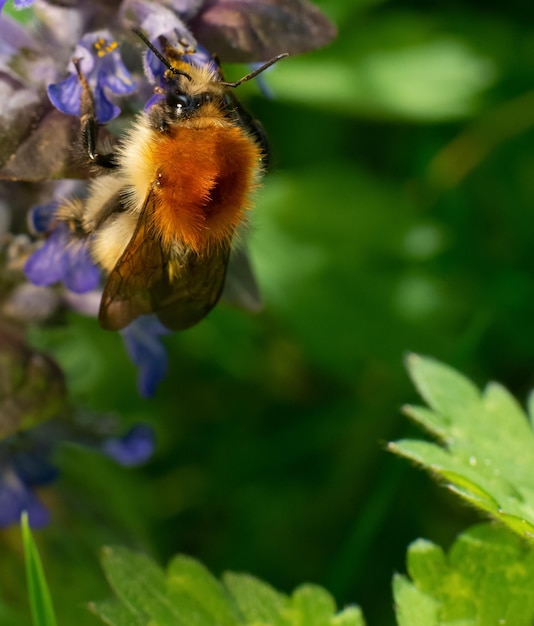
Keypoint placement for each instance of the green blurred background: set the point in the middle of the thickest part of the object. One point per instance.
(397, 218)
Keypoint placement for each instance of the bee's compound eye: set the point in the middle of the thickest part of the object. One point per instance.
(178, 100)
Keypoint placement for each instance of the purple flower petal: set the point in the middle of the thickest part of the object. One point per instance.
(46, 265)
(153, 68)
(81, 274)
(105, 110)
(154, 99)
(103, 68)
(157, 21)
(40, 217)
(134, 448)
(116, 77)
(16, 497)
(65, 96)
(201, 58)
(60, 259)
(185, 8)
(13, 36)
(22, 4)
(143, 345)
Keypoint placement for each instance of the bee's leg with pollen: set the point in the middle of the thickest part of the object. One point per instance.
(89, 124)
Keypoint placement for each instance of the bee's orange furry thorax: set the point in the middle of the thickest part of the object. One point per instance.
(204, 178)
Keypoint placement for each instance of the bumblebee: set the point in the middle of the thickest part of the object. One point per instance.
(162, 218)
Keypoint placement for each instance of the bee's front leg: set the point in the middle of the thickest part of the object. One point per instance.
(89, 124)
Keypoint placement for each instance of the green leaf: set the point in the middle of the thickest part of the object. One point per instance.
(485, 452)
(140, 585)
(190, 596)
(349, 616)
(445, 390)
(257, 602)
(412, 607)
(486, 578)
(313, 606)
(40, 600)
(113, 613)
(198, 594)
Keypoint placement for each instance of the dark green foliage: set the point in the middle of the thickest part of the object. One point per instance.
(399, 216)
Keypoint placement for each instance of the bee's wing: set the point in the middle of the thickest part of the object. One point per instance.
(127, 290)
(241, 288)
(195, 289)
(139, 283)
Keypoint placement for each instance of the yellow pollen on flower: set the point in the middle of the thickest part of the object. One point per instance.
(102, 47)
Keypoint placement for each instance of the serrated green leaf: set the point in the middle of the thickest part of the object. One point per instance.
(191, 596)
(349, 616)
(413, 607)
(257, 602)
(39, 595)
(202, 599)
(444, 389)
(426, 563)
(113, 613)
(486, 450)
(311, 606)
(521, 526)
(486, 578)
(501, 405)
(470, 491)
(140, 585)
(435, 423)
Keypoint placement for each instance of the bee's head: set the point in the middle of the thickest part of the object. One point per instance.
(182, 101)
(183, 94)
(177, 94)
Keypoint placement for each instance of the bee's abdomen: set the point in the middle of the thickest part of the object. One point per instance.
(204, 179)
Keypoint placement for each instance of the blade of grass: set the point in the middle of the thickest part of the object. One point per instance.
(40, 600)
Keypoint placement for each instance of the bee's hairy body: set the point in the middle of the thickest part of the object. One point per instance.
(161, 221)
(184, 158)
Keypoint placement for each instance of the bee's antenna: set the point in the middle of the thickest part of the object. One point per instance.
(257, 71)
(165, 62)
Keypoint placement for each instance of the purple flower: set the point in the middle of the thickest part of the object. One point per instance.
(201, 58)
(35, 55)
(101, 64)
(16, 497)
(157, 21)
(21, 470)
(25, 462)
(40, 217)
(63, 259)
(155, 70)
(133, 448)
(19, 4)
(142, 341)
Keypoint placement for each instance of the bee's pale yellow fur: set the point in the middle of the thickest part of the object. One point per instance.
(136, 174)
